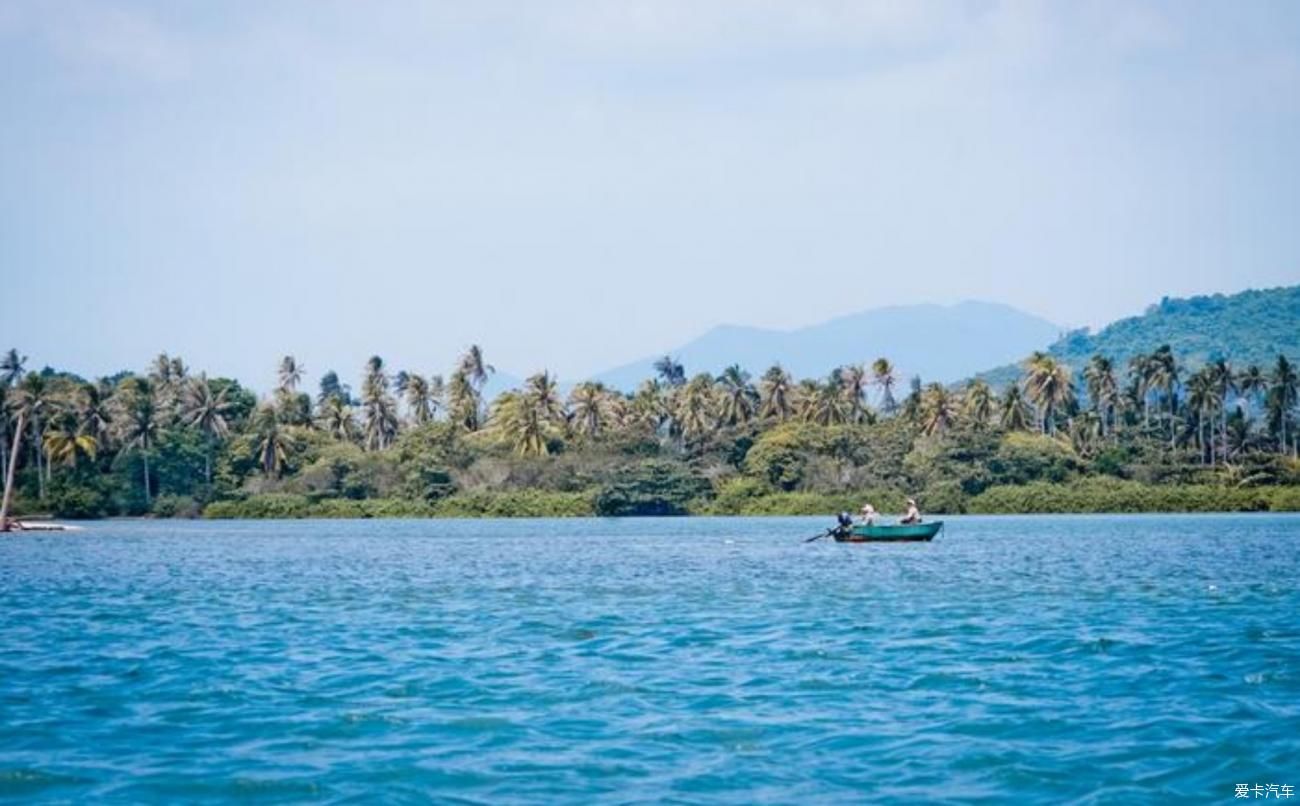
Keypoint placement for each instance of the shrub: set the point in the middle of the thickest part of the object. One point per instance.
(340, 508)
(651, 488)
(1032, 457)
(1113, 495)
(82, 495)
(516, 504)
(268, 505)
(175, 506)
(943, 497)
(800, 503)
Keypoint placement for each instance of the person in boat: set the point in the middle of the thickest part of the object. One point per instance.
(869, 515)
(843, 524)
(913, 515)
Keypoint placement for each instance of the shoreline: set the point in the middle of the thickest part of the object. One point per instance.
(1088, 497)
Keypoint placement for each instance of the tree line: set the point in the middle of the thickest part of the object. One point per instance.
(211, 438)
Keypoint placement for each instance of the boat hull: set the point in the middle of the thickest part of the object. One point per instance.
(909, 533)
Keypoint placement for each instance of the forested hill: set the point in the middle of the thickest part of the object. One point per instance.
(1252, 327)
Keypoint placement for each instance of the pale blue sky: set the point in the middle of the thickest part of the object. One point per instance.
(578, 183)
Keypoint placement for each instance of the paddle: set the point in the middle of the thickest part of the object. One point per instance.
(827, 533)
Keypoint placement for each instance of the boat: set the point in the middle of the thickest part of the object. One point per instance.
(904, 533)
(16, 525)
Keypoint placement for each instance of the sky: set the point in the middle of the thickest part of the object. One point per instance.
(579, 183)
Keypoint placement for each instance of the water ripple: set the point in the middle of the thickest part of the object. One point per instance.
(1101, 660)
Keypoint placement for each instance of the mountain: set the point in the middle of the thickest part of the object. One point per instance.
(1252, 327)
(937, 342)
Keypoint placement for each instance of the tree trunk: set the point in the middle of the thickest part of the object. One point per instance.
(1173, 414)
(1223, 432)
(144, 454)
(207, 461)
(40, 467)
(9, 474)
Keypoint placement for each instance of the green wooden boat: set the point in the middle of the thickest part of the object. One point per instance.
(909, 533)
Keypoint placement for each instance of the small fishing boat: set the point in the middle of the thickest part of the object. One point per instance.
(40, 526)
(905, 533)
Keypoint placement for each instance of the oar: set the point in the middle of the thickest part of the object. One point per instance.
(826, 533)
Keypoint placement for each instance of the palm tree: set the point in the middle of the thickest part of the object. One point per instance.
(205, 410)
(542, 394)
(335, 417)
(1048, 384)
(1201, 400)
(853, 380)
(11, 368)
(592, 407)
(1223, 382)
(273, 441)
(885, 376)
(11, 371)
(1103, 390)
(696, 409)
(21, 412)
(777, 396)
(1252, 383)
(1142, 371)
(290, 375)
(1282, 397)
(418, 398)
(35, 397)
(825, 404)
(739, 400)
(529, 418)
(912, 403)
(650, 407)
(378, 408)
(475, 369)
(1085, 433)
(330, 387)
(979, 403)
(937, 409)
(1014, 413)
(517, 422)
(464, 401)
(64, 442)
(166, 374)
(24, 405)
(137, 419)
(804, 398)
(670, 371)
(1164, 376)
(4, 428)
(437, 394)
(95, 410)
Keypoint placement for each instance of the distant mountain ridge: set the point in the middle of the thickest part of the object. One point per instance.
(1250, 327)
(938, 342)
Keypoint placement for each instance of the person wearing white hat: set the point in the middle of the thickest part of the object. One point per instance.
(868, 515)
(913, 515)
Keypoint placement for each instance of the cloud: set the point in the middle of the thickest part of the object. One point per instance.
(645, 28)
(103, 40)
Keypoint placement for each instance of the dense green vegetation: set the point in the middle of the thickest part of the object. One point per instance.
(1251, 328)
(1147, 435)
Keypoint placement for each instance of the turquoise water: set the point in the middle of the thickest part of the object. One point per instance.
(1107, 659)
